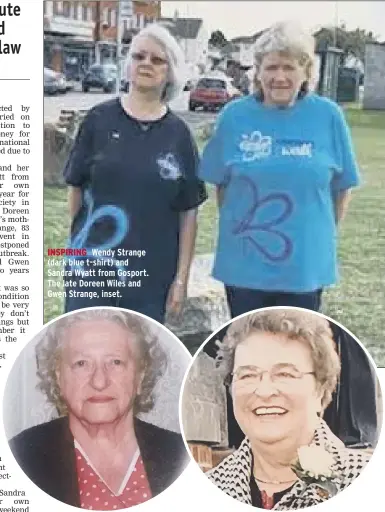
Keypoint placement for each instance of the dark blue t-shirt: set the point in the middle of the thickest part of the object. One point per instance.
(135, 179)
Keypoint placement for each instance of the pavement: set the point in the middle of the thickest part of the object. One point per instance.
(78, 100)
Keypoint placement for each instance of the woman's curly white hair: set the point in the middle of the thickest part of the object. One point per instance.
(305, 326)
(291, 39)
(152, 360)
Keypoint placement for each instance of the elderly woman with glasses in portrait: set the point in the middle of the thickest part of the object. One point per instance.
(283, 164)
(133, 190)
(99, 369)
(282, 368)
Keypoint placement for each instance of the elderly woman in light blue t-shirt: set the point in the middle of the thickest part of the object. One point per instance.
(283, 164)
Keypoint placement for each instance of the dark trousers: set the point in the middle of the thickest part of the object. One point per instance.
(243, 300)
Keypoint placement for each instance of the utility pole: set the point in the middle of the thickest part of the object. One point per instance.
(98, 31)
(124, 14)
(119, 31)
(336, 21)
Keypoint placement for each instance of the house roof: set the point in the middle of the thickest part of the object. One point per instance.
(247, 39)
(184, 28)
(243, 39)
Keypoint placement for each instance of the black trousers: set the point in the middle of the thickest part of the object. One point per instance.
(243, 300)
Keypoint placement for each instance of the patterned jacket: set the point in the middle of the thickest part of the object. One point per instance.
(233, 474)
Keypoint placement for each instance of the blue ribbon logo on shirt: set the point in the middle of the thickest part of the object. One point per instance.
(107, 211)
(249, 229)
(168, 167)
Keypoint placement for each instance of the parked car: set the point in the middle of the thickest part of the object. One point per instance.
(68, 84)
(124, 85)
(100, 76)
(51, 82)
(62, 83)
(211, 93)
(55, 82)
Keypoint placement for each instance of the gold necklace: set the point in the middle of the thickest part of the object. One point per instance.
(274, 482)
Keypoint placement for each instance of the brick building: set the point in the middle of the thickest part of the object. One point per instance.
(76, 33)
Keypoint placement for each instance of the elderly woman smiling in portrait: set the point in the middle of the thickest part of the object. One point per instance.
(282, 369)
(99, 368)
(283, 164)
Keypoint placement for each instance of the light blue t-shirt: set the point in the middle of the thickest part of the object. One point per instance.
(280, 169)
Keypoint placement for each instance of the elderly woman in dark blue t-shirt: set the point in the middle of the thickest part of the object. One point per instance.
(133, 189)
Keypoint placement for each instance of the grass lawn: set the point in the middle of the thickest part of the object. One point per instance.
(358, 302)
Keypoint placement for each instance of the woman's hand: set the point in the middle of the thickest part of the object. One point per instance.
(176, 297)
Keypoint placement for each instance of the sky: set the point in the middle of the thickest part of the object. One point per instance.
(243, 18)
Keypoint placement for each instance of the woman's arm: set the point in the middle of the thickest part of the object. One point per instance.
(74, 201)
(187, 235)
(341, 203)
(349, 173)
(220, 190)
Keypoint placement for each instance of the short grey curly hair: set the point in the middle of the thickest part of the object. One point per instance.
(291, 39)
(152, 359)
(177, 76)
(305, 326)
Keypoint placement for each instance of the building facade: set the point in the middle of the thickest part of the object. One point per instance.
(193, 38)
(78, 33)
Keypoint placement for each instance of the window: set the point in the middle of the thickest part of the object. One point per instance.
(105, 16)
(66, 9)
(211, 83)
(113, 18)
(58, 8)
(79, 11)
(93, 13)
(109, 16)
(84, 12)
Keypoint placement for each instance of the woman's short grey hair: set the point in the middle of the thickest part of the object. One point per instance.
(177, 75)
(291, 39)
(304, 326)
(151, 358)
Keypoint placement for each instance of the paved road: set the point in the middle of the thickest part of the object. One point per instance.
(80, 100)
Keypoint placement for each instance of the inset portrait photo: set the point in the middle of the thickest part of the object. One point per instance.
(91, 409)
(281, 408)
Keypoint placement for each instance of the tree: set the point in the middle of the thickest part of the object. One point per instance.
(217, 39)
(351, 42)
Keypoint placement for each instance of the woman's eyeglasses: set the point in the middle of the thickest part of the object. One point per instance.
(154, 59)
(246, 376)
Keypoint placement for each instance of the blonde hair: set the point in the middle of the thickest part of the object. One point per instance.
(291, 39)
(305, 326)
(151, 358)
(177, 75)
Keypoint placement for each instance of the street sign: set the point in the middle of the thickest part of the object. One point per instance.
(126, 9)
